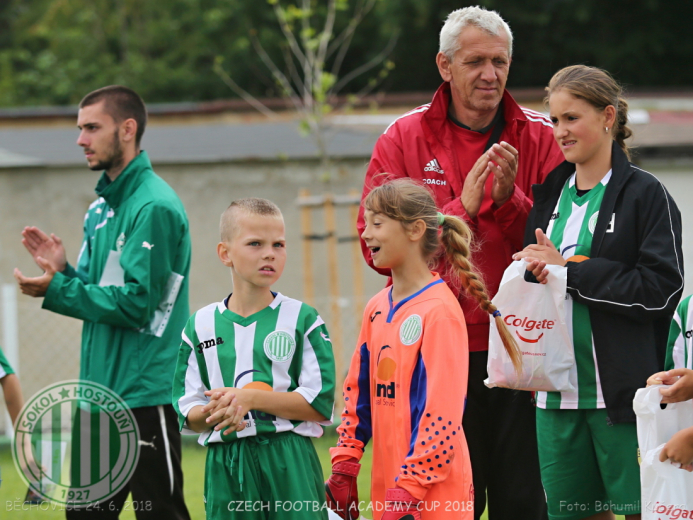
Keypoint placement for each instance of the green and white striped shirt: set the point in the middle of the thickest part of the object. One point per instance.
(679, 347)
(282, 348)
(570, 229)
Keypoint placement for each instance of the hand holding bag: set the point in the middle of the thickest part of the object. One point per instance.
(535, 315)
(667, 490)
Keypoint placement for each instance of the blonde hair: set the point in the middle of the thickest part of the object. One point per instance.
(405, 201)
(250, 206)
(599, 89)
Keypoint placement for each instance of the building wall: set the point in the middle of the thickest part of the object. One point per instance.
(55, 200)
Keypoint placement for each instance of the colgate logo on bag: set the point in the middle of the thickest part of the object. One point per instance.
(527, 325)
(674, 512)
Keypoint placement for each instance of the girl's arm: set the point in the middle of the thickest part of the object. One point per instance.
(13, 395)
(355, 429)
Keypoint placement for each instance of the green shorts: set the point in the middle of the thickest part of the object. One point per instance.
(587, 466)
(264, 477)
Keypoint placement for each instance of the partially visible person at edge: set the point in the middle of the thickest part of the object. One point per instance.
(679, 449)
(130, 287)
(678, 373)
(617, 232)
(479, 152)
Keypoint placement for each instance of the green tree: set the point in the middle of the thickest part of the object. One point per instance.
(54, 51)
(644, 43)
(165, 50)
(314, 48)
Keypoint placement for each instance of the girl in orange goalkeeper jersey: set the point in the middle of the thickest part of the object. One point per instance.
(407, 382)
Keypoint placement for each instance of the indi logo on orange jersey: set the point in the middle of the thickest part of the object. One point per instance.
(385, 370)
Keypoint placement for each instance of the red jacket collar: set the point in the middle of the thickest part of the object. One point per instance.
(436, 116)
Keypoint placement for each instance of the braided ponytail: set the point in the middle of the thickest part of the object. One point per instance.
(457, 239)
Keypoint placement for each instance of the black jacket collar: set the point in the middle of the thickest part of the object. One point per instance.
(546, 194)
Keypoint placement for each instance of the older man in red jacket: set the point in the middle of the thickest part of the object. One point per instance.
(480, 152)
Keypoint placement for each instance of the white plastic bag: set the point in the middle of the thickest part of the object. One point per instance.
(535, 316)
(657, 426)
(667, 491)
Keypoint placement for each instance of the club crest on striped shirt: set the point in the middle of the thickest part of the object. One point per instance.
(410, 331)
(76, 443)
(279, 346)
(592, 224)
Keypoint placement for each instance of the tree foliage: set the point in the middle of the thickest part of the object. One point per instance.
(54, 51)
(317, 36)
(644, 43)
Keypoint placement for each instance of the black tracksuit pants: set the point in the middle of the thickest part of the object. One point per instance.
(500, 428)
(157, 482)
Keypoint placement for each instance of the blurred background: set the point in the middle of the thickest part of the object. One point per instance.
(283, 100)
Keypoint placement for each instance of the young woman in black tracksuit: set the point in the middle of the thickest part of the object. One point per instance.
(617, 231)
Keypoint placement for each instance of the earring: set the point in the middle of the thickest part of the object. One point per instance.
(606, 129)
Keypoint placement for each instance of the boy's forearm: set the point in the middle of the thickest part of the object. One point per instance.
(287, 405)
(197, 420)
(13, 395)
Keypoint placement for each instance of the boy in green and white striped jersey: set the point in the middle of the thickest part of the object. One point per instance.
(255, 377)
(678, 373)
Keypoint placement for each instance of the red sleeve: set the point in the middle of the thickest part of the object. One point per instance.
(436, 406)
(387, 158)
(512, 217)
(455, 207)
(355, 429)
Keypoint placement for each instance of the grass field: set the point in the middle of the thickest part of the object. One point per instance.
(13, 489)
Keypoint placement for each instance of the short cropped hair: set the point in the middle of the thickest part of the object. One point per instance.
(120, 103)
(250, 206)
(489, 21)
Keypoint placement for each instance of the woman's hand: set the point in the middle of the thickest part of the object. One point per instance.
(538, 269)
(539, 255)
(543, 251)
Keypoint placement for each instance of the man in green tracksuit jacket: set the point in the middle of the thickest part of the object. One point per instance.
(130, 287)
